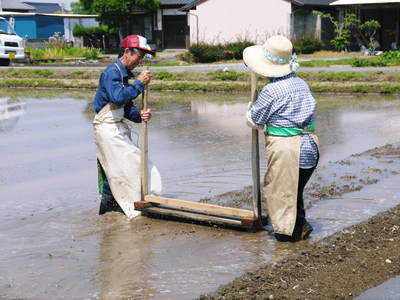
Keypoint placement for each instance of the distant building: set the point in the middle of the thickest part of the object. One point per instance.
(15, 6)
(220, 21)
(37, 21)
(306, 24)
(167, 27)
(386, 12)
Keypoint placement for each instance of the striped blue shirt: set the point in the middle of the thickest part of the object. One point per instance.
(287, 102)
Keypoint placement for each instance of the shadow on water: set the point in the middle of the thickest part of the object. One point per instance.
(53, 243)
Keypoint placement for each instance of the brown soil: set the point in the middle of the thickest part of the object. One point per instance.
(332, 179)
(338, 267)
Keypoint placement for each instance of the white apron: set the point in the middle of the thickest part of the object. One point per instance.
(281, 180)
(120, 157)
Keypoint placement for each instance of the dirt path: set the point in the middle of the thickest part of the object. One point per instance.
(338, 267)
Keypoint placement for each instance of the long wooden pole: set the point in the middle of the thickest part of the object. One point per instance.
(144, 146)
(255, 156)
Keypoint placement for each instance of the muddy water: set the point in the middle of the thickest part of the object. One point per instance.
(54, 246)
(390, 290)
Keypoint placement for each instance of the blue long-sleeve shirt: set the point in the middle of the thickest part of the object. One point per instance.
(114, 88)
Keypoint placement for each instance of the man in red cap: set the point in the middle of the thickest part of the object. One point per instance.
(117, 156)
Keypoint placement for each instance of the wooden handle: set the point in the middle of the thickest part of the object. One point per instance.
(255, 156)
(144, 145)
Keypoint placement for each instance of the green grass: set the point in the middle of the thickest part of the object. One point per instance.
(320, 82)
(167, 64)
(224, 76)
(380, 61)
(389, 89)
(359, 88)
(325, 63)
(58, 53)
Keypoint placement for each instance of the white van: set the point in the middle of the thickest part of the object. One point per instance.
(11, 45)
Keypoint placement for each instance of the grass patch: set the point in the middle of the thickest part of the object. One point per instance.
(317, 88)
(388, 59)
(320, 82)
(359, 88)
(230, 76)
(39, 82)
(60, 52)
(326, 53)
(174, 63)
(391, 89)
(325, 63)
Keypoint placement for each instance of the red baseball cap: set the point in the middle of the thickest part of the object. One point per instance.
(137, 41)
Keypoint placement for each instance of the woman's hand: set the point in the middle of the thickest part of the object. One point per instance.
(145, 115)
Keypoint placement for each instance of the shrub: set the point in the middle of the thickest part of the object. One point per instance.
(390, 55)
(203, 52)
(207, 53)
(307, 45)
(235, 49)
(80, 30)
(186, 56)
(91, 54)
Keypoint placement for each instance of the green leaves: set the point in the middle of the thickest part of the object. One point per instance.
(115, 13)
(364, 33)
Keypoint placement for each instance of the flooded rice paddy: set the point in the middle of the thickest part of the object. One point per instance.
(53, 244)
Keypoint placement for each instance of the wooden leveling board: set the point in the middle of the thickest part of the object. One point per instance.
(197, 212)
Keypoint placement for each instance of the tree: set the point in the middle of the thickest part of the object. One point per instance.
(82, 6)
(364, 33)
(116, 14)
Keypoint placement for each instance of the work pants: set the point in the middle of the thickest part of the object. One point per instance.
(304, 177)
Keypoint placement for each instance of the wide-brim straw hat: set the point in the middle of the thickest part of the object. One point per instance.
(273, 59)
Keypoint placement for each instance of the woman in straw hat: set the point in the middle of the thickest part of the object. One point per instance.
(285, 108)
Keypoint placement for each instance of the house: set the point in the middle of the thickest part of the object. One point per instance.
(306, 24)
(221, 21)
(15, 6)
(167, 27)
(386, 12)
(38, 21)
(174, 24)
(41, 26)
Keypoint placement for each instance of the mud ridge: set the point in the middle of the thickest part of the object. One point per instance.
(338, 267)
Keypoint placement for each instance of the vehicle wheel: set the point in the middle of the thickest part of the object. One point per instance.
(4, 62)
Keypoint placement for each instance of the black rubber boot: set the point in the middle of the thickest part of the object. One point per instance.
(107, 204)
(306, 231)
(299, 233)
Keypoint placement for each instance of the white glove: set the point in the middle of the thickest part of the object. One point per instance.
(249, 119)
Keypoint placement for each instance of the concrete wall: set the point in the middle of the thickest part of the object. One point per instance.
(220, 21)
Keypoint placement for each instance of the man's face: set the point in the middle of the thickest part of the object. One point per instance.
(133, 59)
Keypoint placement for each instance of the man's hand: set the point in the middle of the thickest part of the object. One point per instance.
(145, 114)
(145, 76)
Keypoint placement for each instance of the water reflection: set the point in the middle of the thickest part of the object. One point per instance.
(10, 112)
(125, 259)
(158, 259)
